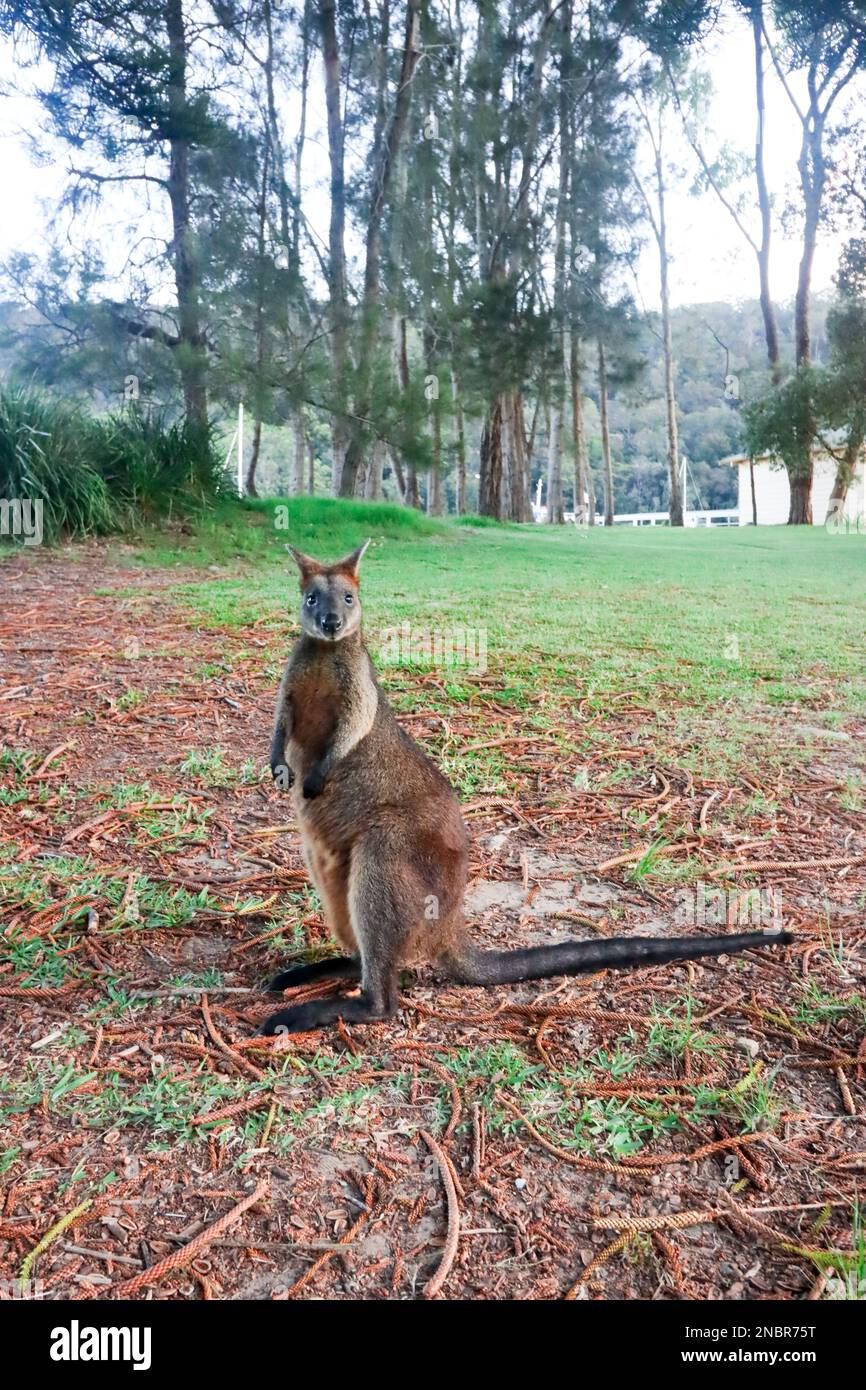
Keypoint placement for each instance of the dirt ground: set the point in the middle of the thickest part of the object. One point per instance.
(448, 1152)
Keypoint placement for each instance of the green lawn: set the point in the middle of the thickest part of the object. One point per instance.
(727, 634)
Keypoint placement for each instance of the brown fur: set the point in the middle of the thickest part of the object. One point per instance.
(384, 839)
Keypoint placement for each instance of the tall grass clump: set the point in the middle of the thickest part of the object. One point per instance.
(154, 467)
(95, 474)
(42, 457)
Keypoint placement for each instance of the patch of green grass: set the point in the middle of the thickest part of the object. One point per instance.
(73, 885)
(131, 699)
(756, 1101)
(818, 1006)
(670, 1034)
(127, 794)
(185, 825)
(208, 765)
(206, 979)
(38, 962)
(7, 1158)
(854, 1276)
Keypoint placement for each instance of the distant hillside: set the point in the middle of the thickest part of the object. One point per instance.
(709, 422)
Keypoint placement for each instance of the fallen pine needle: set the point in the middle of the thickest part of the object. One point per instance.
(57, 1230)
(616, 1245)
(840, 862)
(223, 1046)
(436, 1284)
(182, 1257)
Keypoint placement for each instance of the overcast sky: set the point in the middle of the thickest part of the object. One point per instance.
(710, 260)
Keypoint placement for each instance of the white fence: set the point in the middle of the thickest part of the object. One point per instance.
(723, 516)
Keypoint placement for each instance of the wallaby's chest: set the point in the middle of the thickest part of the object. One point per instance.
(316, 703)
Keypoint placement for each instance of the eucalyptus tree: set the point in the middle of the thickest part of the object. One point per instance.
(133, 101)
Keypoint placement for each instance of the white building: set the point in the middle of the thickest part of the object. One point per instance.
(773, 495)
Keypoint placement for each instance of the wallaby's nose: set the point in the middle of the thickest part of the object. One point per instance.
(331, 623)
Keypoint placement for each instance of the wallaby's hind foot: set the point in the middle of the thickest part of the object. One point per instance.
(319, 1013)
(331, 967)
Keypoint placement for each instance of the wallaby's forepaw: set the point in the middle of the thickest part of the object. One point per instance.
(301, 1019)
(314, 784)
(284, 778)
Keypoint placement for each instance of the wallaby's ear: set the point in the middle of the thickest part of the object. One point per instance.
(308, 567)
(350, 564)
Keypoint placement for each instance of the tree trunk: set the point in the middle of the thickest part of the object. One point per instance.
(373, 488)
(261, 348)
(812, 177)
(311, 453)
(502, 233)
(555, 509)
(555, 506)
(390, 148)
(800, 513)
(336, 237)
(458, 107)
(299, 454)
(434, 493)
(434, 477)
(605, 436)
(397, 470)
(460, 443)
(811, 166)
(490, 482)
(361, 478)
(675, 483)
(250, 480)
(521, 501)
(411, 495)
(191, 351)
(845, 469)
(578, 433)
(768, 312)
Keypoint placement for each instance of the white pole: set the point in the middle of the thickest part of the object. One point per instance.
(241, 449)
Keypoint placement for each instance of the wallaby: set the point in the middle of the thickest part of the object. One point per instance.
(384, 839)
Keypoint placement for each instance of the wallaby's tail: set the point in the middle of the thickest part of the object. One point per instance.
(474, 966)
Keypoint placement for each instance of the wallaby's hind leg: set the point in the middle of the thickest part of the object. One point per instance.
(329, 968)
(378, 908)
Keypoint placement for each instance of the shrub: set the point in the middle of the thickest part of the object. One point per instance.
(153, 467)
(99, 474)
(41, 457)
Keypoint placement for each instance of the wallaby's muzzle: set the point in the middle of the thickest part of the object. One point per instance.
(331, 624)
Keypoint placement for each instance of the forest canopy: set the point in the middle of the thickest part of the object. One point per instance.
(409, 239)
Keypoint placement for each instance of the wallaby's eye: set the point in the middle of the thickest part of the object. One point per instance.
(349, 598)
(311, 600)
